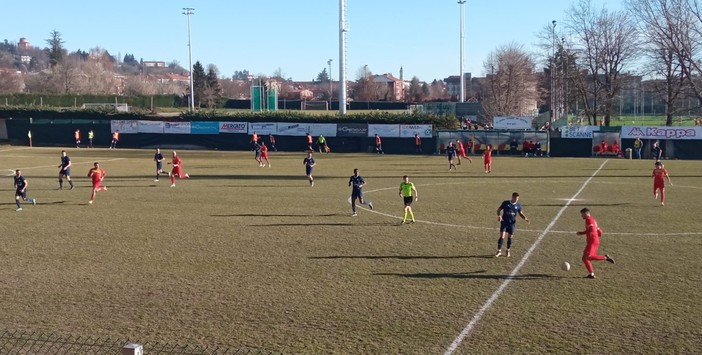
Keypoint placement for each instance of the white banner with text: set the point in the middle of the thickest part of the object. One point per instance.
(662, 132)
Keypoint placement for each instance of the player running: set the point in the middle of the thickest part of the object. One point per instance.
(309, 164)
(461, 152)
(76, 135)
(158, 158)
(264, 155)
(97, 174)
(21, 190)
(378, 144)
(507, 216)
(65, 170)
(487, 159)
(257, 154)
(659, 175)
(593, 234)
(177, 169)
(450, 154)
(357, 192)
(409, 194)
(91, 135)
(271, 140)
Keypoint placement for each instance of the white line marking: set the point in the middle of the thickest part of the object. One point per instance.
(56, 165)
(486, 306)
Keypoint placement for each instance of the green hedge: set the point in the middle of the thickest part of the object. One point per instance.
(78, 100)
(439, 122)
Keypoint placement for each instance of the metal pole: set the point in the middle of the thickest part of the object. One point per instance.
(462, 93)
(342, 57)
(187, 11)
(331, 84)
(554, 110)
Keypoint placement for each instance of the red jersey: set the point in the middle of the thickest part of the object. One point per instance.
(97, 174)
(592, 231)
(77, 134)
(176, 162)
(309, 139)
(377, 140)
(417, 140)
(459, 146)
(254, 138)
(264, 149)
(487, 154)
(659, 175)
(115, 136)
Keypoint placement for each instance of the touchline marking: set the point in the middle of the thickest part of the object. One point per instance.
(486, 306)
(54, 165)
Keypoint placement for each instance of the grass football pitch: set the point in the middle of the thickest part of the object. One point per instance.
(245, 256)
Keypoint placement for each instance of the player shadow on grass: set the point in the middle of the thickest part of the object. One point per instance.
(276, 215)
(470, 275)
(403, 257)
(576, 204)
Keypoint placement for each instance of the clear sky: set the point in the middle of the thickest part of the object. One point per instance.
(422, 36)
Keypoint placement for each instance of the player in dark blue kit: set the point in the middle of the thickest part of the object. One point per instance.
(65, 167)
(21, 192)
(507, 215)
(158, 158)
(309, 167)
(357, 192)
(451, 153)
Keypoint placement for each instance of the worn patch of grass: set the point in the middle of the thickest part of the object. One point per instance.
(247, 256)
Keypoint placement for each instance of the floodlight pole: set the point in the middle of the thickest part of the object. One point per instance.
(342, 57)
(187, 11)
(331, 84)
(463, 80)
(553, 76)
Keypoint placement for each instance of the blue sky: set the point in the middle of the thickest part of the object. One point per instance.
(298, 37)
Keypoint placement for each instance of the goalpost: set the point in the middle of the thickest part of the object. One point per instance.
(315, 105)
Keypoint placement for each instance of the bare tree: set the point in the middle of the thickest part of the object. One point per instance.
(605, 42)
(510, 86)
(10, 81)
(661, 23)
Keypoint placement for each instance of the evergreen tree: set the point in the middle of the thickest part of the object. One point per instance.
(213, 90)
(199, 82)
(56, 50)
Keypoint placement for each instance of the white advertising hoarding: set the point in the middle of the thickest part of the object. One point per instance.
(409, 130)
(325, 129)
(578, 131)
(262, 128)
(150, 127)
(233, 127)
(292, 129)
(661, 132)
(176, 127)
(512, 122)
(124, 126)
(384, 130)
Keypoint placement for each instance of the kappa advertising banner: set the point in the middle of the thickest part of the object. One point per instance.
(204, 127)
(512, 122)
(325, 129)
(176, 127)
(662, 132)
(293, 129)
(351, 130)
(409, 130)
(150, 127)
(233, 127)
(124, 126)
(384, 130)
(262, 128)
(584, 132)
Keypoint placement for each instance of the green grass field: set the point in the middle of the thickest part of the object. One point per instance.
(253, 257)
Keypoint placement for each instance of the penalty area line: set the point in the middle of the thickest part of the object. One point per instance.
(488, 304)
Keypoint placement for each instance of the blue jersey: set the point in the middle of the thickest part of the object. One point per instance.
(309, 162)
(451, 151)
(65, 161)
(158, 157)
(20, 182)
(357, 183)
(510, 211)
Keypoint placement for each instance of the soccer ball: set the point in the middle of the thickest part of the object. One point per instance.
(565, 266)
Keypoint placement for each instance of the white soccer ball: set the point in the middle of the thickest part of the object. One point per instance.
(565, 266)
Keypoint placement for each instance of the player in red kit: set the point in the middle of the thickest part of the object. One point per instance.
(264, 154)
(659, 176)
(177, 169)
(487, 158)
(592, 233)
(461, 152)
(97, 174)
